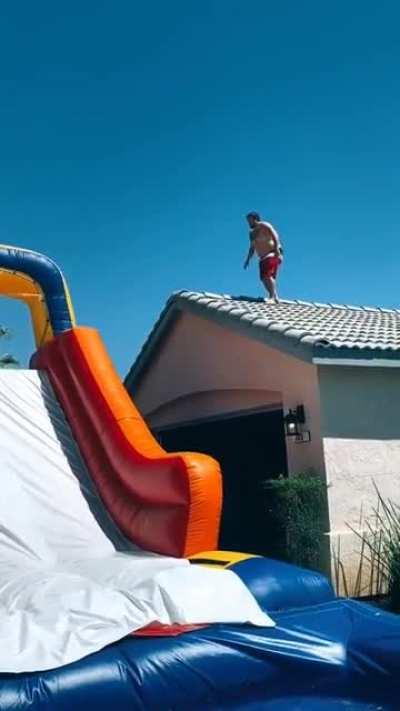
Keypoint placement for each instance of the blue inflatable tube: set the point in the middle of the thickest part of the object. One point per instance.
(338, 655)
(280, 586)
(48, 276)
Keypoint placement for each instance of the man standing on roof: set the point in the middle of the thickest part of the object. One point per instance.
(264, 240)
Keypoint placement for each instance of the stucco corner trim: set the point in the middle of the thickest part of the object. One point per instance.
(364, 362)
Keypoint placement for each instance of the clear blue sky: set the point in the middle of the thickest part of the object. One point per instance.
(135, 136)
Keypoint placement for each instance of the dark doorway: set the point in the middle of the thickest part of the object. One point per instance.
(250, 448)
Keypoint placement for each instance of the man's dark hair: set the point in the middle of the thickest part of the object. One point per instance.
(256, 215)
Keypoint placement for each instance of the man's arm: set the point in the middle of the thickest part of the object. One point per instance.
(249, 254)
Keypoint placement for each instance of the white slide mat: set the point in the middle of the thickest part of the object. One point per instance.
(69, 581)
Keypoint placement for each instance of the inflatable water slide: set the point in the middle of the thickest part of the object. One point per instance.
(113, 594)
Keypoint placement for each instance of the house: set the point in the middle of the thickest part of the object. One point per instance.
(220, 373)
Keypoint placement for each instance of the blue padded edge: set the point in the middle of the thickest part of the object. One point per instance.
(281, 586)
(338, 656)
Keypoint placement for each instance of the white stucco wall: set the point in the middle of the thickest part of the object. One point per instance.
(361, 439)
(204, 369)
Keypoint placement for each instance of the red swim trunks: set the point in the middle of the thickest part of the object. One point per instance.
(269, 267)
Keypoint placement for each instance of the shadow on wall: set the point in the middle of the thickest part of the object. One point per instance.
(216, 403)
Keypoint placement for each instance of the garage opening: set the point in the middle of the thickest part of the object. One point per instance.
(250, 448)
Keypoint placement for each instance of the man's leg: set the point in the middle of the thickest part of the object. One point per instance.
(270, 285)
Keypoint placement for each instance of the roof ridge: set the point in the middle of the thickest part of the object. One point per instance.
(299, 302)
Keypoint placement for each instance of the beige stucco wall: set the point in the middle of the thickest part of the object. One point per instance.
(361, 439)
(204, 369)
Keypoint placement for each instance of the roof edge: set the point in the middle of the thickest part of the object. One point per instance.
(166, 318)
(177, 303)
(312, 350)
(358, 358)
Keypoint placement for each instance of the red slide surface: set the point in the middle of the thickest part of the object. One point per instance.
(166, 503)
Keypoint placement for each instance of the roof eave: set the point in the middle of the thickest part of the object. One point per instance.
(177, 305)
(314, 353)
(162, 325)
(366, 357)
(236, 323)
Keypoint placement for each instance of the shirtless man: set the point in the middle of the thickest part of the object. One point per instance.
(264, 240)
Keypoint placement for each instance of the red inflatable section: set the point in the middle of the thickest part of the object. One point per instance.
(166, 503)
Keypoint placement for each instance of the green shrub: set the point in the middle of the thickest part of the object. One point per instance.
(297, 511)
(7, 360)
(381, 537)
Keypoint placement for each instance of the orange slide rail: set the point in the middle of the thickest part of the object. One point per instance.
(166, 503)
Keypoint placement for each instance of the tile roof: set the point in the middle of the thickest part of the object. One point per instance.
(302, 328)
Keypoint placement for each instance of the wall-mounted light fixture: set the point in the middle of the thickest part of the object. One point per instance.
(294, 421)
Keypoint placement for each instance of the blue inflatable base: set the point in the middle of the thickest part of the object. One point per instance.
(339, 654)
